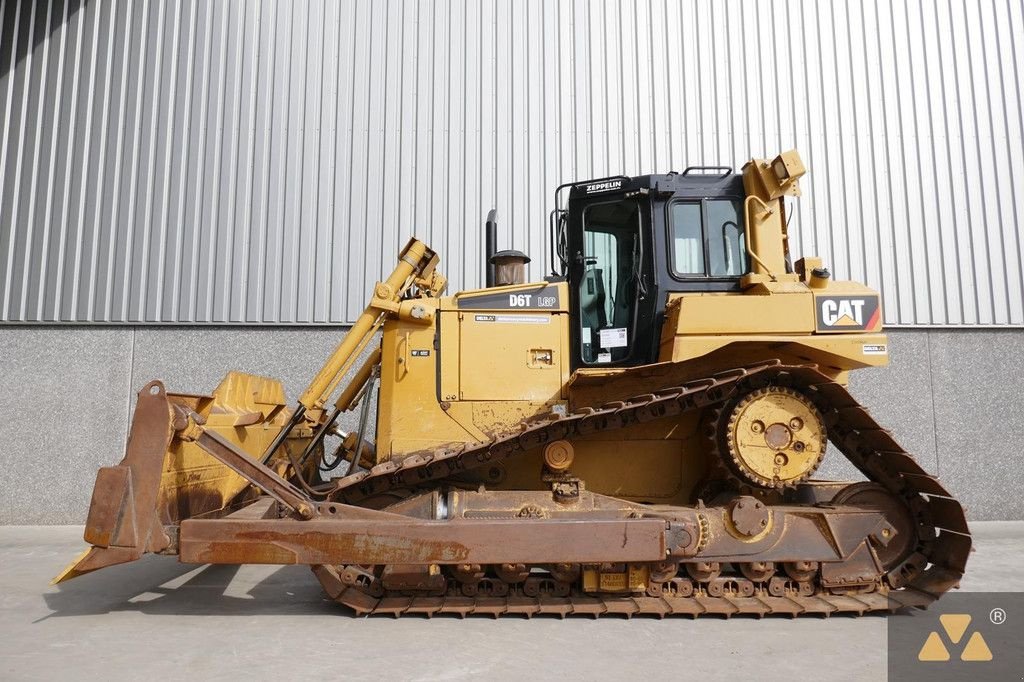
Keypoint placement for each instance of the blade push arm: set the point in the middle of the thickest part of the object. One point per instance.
(416, 266)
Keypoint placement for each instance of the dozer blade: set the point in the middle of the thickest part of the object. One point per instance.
(123, 522)
(187, 456)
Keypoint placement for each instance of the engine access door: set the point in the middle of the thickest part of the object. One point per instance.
(512, 344)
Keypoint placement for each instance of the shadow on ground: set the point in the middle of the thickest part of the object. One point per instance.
(160, 585)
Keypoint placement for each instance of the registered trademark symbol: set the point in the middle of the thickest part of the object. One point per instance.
(997, 616)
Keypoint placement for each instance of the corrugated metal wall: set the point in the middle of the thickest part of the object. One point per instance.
(263, 161)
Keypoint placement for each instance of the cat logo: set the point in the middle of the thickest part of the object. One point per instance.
(843, 313)
(954, 625)
(848, 313)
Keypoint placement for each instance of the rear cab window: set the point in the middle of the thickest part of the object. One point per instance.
(707, 238)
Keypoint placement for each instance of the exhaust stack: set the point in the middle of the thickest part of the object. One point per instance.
(490, 246)
(502, 267)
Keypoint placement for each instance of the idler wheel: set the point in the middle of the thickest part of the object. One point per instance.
(901, 544)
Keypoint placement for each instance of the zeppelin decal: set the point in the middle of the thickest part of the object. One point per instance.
(848, 313)
(604, 186)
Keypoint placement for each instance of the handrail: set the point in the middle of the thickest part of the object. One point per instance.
(746, 232)
(726, 170)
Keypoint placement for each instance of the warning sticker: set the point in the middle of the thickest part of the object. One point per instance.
(604, 357)
(613, 338)
(874, 349)
(523, 319)
(514, 319)
(585, 336)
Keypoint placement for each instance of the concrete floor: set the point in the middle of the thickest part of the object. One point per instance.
(162, 620)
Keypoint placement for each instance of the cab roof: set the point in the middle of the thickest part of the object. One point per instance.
(721, 181)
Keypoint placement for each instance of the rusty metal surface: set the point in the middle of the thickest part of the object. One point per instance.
(723, 597)
(352, 535)
(123, 521)
(749, 516)
(415, 541)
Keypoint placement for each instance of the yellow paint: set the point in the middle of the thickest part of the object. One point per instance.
(510, 355)
(71, 570)
(497, 368)
(776, 437)
(615, 578)
(451, 374)
(789, 312)
(248, 410)
(409, 413)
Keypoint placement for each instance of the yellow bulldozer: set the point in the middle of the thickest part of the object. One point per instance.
(636, 434)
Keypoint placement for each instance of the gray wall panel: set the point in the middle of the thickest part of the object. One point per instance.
(65, 395)
(262, 161)
(68, 395)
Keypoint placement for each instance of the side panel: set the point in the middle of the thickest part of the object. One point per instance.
(409, 416)
(712, 313)
(838, 328)
(833, 353)
(492, 358)
(511, 356)
(660, 462)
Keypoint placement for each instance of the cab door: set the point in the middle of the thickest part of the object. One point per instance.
(610, 283)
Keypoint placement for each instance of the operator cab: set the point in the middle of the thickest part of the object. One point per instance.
(623, 244)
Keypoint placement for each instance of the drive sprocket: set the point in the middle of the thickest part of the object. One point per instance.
(772, 437)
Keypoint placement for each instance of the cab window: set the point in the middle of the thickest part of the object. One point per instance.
(608, 286)
(708, 238)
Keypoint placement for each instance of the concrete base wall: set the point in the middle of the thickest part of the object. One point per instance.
(951, 397)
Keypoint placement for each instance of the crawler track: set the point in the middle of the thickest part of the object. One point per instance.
(758, 603)
(935, 566)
